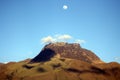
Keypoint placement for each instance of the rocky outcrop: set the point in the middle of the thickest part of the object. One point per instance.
(66, 50)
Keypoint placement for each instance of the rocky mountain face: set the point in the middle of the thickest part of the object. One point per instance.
(66, 50)
(61, 61)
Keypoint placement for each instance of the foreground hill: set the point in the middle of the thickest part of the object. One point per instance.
(51, 64)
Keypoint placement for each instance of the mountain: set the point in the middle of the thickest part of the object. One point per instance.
(66, 50)
(61, 61)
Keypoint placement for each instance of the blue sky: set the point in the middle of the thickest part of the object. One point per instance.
(23, 23)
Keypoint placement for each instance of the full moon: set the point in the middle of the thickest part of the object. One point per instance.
(65, 7)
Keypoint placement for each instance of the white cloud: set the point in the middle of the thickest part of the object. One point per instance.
(48, 39)
(61, 38)
(64, 37)
(80, 41)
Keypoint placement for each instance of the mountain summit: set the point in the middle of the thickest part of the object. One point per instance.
(66, 50)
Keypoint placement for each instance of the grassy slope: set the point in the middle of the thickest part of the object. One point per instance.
(60, 69)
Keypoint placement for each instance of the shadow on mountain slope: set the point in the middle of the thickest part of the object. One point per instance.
(44, 55)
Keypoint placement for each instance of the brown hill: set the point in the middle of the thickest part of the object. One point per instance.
(51, 64)
(60, 69)
(73, 51)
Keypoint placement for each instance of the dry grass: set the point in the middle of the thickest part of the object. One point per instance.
(60, 69)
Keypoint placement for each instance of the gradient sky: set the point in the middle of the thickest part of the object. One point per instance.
(23, 23)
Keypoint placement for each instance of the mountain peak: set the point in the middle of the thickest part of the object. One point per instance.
(66, 50)
(63, 44)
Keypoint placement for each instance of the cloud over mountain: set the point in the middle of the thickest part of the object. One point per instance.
(60, 38)
(48, 39)
(63, 37)
(80, 41)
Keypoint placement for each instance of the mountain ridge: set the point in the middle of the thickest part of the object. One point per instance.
(67, 50)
